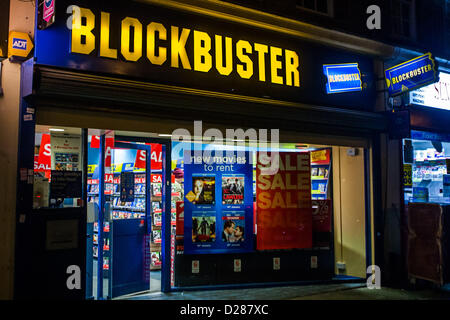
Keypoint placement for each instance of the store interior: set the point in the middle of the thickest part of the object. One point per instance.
(425, 165)
(337, 176)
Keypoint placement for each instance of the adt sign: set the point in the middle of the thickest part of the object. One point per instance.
(20, 44)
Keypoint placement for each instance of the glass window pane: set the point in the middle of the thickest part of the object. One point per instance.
(425, 172)
(58, 167)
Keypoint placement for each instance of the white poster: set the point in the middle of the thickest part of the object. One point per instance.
(66, 152)
(237, 265)
(195, 266)
(436, 95)
(313, 262)
(276, 263)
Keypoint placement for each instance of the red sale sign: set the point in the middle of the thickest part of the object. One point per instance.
(95, 142)
(180, 218)
(44, 161)
(156, 178)
(283, 199)
(109, 144)
(155, 157)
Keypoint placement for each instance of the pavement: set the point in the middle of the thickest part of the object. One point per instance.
(269, 293)
(363, 293)
(337, 291)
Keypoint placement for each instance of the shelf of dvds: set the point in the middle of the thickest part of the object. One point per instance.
(156, 211)
(132, 210)
(320, 172)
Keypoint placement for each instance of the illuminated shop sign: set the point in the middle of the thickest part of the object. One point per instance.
(229, 54)
(432, 136)
(436, 95)
(342, 77)
(165, 46)
(411, 74)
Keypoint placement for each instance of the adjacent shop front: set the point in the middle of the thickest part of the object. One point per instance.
(154, 132)
(425, 162)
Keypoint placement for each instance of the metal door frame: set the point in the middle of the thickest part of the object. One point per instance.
(166, 200)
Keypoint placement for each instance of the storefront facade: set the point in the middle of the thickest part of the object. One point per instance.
(425, 185)
(134, 75)
(417, 155)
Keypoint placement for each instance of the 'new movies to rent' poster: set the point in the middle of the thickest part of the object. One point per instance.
(217, 209)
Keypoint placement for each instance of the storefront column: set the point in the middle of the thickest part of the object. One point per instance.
(9, 131)
(9, 123)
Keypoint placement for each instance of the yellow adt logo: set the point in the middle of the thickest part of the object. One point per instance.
(19, 44)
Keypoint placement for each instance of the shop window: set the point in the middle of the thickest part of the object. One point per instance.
(426, 177)
(318, 6)
(314, 203)
(221, 197)
(225, 206)
(58, 168)
(403, 19)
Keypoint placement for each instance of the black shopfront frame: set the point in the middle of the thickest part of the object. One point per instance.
(214, 266)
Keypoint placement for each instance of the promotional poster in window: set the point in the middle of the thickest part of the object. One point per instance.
(283, 200)
(218, 210)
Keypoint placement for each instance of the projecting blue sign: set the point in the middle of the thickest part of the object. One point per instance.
(411, 74)
(342, 77)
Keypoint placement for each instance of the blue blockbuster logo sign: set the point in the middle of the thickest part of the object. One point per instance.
(342, 77)
(411, 74)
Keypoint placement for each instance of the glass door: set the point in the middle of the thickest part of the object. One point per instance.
(99, 191)
(129, 218)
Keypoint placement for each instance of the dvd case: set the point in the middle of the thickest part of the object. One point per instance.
(232, 189)
(204, 189)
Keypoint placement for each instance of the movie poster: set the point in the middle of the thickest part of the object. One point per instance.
(218, 209)
(204, 189)
(233, 230)
(203, 226)
(233, 189)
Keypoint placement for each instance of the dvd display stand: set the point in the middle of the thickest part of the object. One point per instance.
(129, 210)
(157, 211)
(320, 173)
